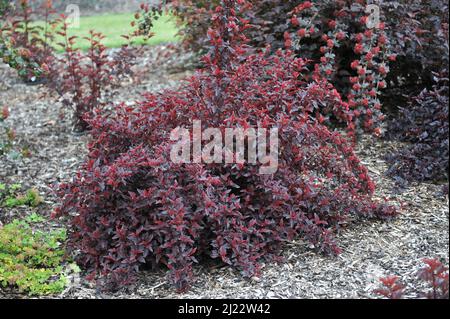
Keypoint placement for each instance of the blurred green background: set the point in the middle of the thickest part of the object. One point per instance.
(113, 26)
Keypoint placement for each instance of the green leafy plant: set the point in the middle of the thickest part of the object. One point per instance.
(32, 260)
(10, 196)
(4, 6)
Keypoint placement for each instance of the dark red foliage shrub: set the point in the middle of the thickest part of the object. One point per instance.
(355, 59)
(391, 288)
(193, 19)
(434, 274)
(419, 48)
(333, 34)
(269, 20)
(419, 85)
(81, 79)
(131, 206)
(84, 79)
(350, 50)
(423, 124)
(421, 45)
(408, 58)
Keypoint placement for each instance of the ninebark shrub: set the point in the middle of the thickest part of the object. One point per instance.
(366, 65)
(130, 206)
(337, 36)
(351, 49)
(84, 79)
(419, 91)
(421, 45)
(424, 125)
(81, 79)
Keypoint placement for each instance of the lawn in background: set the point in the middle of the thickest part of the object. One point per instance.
(115, 25)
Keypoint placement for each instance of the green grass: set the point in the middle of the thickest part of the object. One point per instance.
(115, 25)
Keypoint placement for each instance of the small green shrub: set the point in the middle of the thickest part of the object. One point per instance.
(31, 198)
(32, 260)
(10, 196)
(4, 6)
